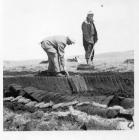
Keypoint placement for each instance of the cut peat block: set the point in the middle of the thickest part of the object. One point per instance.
(85, 67)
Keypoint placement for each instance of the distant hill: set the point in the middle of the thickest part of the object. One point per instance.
(119, 56)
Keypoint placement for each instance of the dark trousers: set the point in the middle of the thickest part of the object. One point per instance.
(88, 49)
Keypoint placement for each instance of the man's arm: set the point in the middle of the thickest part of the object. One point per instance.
(96, 36)
(61, 55)
(62, 62)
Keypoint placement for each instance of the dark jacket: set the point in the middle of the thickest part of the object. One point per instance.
(89, 32)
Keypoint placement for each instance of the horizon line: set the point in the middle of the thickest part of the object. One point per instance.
(33, 59)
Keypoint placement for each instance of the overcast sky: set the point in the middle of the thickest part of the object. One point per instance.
(27, 22)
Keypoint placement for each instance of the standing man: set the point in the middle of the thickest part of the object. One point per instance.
(54, 47)
(89, 36)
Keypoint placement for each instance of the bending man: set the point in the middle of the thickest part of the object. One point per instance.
(54, 47)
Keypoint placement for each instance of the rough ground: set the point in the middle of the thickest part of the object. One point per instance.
(108, 103)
